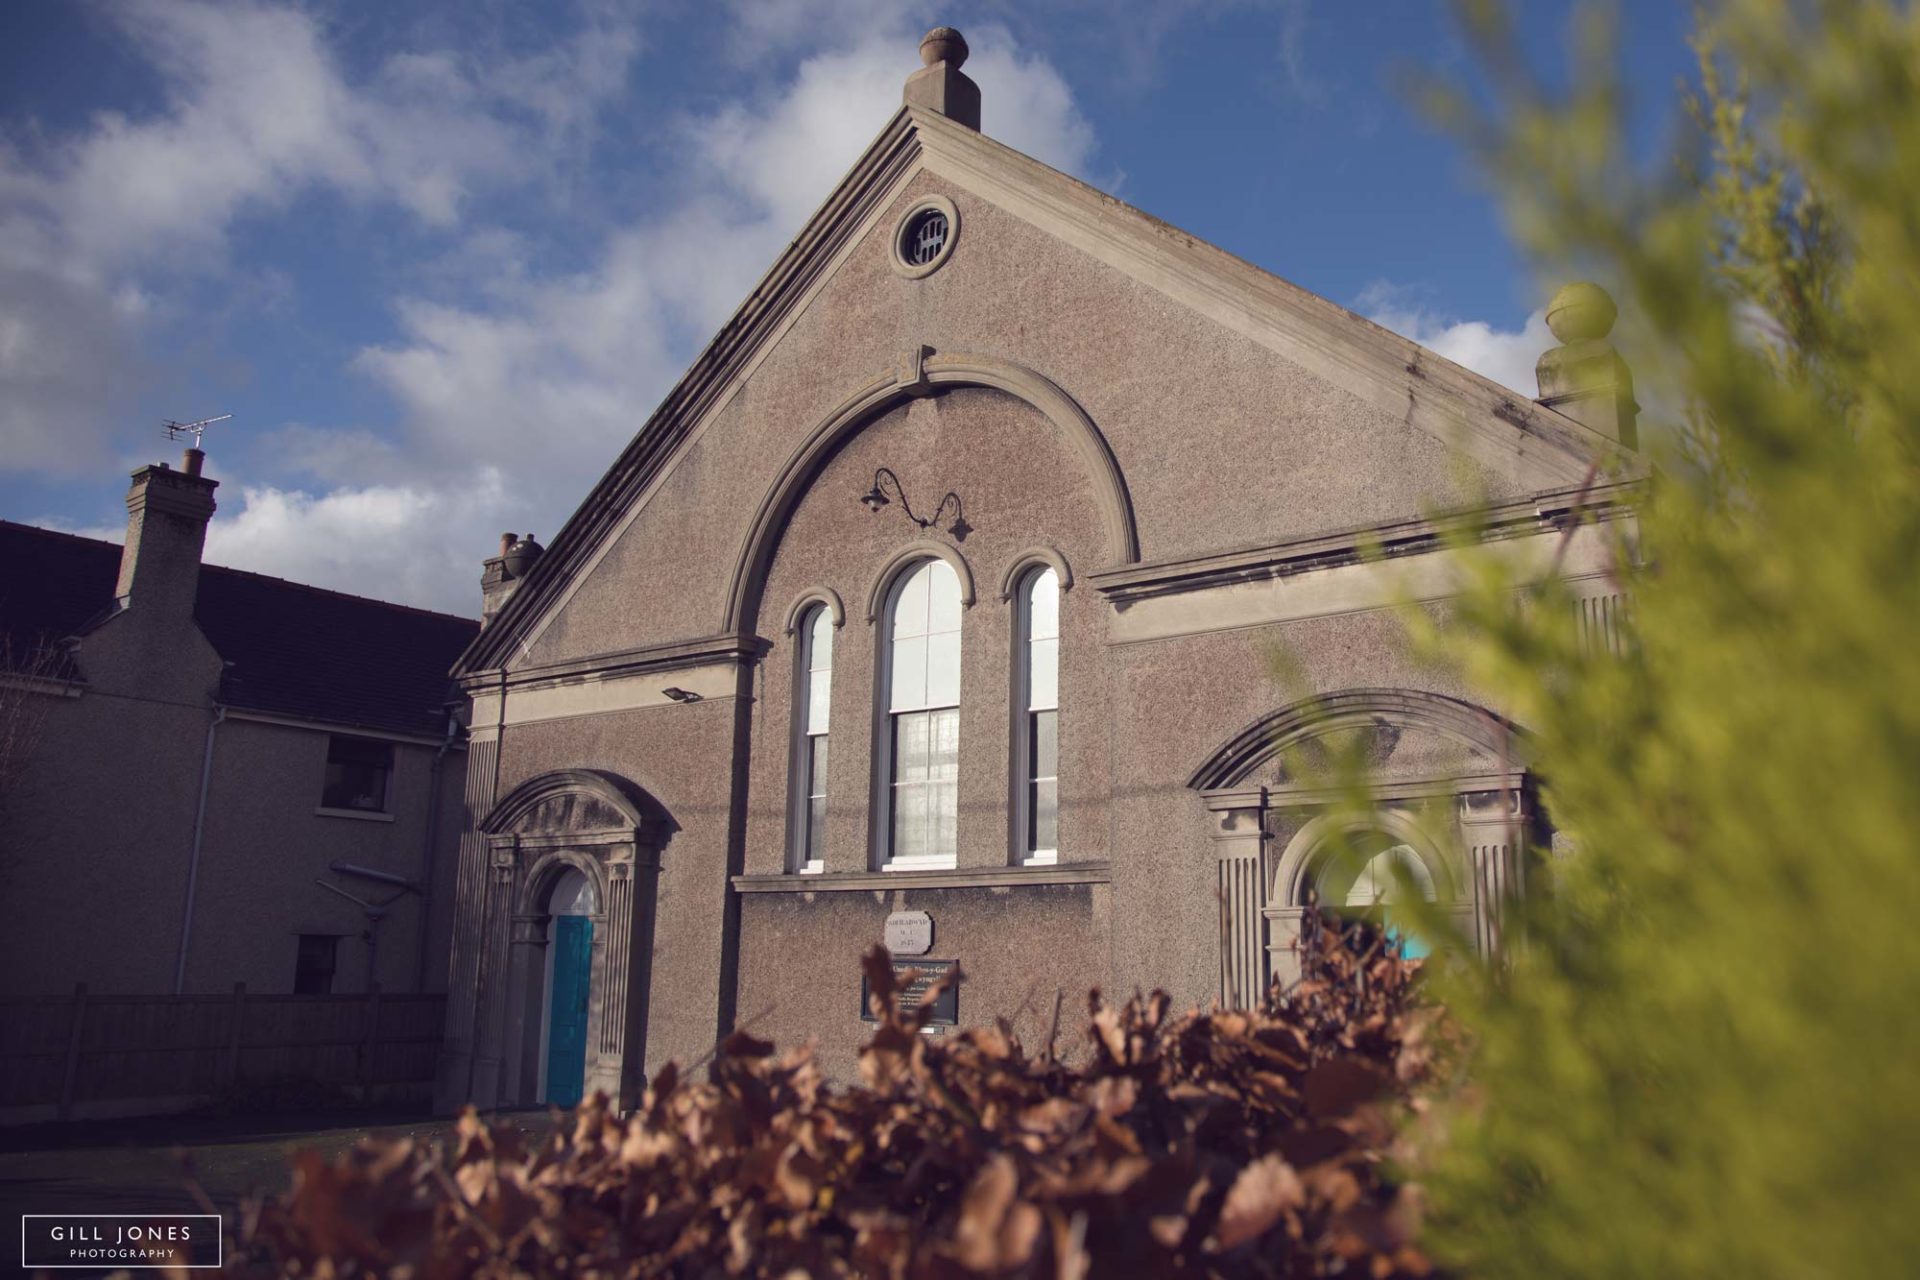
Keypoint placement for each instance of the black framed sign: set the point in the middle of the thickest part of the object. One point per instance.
(946, 1007)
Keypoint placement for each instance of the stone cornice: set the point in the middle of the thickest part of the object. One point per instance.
(675, 655)
(1542, 513)
(962, 878)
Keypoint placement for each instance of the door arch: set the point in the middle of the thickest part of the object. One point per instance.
(579, 846)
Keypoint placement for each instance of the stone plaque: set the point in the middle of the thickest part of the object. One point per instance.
(946, 1009)
(909, 933)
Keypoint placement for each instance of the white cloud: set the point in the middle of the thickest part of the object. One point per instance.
(513, 387)
(397, 542)
(1507, 356)
(97, 229)
(552, 375)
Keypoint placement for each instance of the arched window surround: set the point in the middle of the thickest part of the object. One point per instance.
(928, 770)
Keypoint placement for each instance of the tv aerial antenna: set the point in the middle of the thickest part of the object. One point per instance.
(175, 430)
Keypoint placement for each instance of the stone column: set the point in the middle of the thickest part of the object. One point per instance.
(453, 1076)
(489, 1047)
(526, 1000)
(1492, 833)
(622, 972)
(1239, 842)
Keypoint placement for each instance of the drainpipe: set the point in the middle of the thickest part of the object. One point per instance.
(193, 862)
(426, 857)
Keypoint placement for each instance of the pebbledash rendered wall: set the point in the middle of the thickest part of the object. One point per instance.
(1207, 496)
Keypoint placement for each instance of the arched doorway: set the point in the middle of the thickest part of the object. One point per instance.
(561, 1002)
(1448, 786)
(568, 987)
(1371, 877)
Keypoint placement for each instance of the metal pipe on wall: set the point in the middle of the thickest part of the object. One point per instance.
(193, 861)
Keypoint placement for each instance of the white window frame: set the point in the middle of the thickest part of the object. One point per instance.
(881, 806)
(802, 858)
(1020, 707)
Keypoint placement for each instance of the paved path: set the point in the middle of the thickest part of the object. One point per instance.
(138, 1166)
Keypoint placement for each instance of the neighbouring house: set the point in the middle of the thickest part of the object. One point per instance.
(937, 605)
(210, 777)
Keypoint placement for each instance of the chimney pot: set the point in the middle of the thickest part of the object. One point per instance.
(192, 460)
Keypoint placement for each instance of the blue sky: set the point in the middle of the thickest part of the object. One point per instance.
(441, 259)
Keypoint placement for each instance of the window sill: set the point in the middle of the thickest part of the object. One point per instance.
(976, 878)
(359, 815)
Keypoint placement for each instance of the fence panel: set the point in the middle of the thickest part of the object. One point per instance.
(126, 1055)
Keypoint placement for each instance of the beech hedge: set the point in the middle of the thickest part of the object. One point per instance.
(1217, 1143)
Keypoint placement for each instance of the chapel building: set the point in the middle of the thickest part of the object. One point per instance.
(938, 605)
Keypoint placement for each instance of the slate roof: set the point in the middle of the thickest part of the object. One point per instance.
(295, 650)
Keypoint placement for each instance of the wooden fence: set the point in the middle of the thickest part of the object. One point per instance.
(84, 1055)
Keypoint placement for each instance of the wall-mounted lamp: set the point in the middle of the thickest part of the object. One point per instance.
(876, 498)
(680, 695)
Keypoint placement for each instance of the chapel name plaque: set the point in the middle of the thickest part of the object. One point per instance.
(912, 993)
(909, 933)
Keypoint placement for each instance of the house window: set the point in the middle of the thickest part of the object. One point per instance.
(314, 963)
(1036, 744)
(920, 739)
(812, 697)
(357, 772)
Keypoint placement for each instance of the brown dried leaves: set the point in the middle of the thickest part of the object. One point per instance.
(1215, 1144)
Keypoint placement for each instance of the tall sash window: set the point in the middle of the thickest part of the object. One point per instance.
(813, 697)
(1036, 751)
(921, 736)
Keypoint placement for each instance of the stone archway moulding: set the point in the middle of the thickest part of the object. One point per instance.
(913, 553)
(1277, 732)
(595, 786)
(919, 372)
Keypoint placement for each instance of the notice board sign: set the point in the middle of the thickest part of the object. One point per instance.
(911, 993)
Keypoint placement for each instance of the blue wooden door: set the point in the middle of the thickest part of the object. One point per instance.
(567, 1025)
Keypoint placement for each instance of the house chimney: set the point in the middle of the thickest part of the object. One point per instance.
(167, 514)
(939, 86)
(1584, 377)
(500, 576)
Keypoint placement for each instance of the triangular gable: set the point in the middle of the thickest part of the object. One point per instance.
(1492, 423)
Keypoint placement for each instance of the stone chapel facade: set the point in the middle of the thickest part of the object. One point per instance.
(938, 602)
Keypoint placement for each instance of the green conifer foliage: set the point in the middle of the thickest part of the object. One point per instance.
(1703, 1057)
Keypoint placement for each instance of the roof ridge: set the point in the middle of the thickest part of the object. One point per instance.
(394, 605)
(116, 547)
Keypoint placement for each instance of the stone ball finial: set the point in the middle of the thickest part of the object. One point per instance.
(943, 44)
(1581, 312)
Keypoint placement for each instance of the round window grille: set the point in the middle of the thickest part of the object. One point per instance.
(924, 239)
(926, 236)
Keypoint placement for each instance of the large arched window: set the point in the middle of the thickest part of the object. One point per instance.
(812, 701)
(919, 747)
(1036, 728)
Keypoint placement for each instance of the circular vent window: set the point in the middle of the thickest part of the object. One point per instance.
(926, 236)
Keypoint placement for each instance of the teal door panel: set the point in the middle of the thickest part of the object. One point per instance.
(567, 1024)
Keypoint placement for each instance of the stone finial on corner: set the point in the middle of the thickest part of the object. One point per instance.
(1584, 377)
(940, 86)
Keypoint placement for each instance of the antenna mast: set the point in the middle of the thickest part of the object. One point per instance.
(175, 430)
